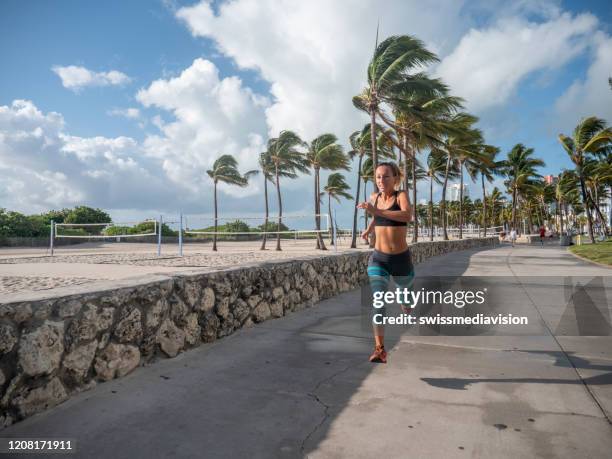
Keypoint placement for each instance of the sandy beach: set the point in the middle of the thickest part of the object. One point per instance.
(33, 269)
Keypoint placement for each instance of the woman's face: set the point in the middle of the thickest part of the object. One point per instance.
(385, 180)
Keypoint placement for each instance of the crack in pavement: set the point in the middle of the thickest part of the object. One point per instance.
(313, 395)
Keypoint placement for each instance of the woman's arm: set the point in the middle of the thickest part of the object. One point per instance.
(403, 215)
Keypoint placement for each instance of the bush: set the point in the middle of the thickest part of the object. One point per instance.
(84, 214)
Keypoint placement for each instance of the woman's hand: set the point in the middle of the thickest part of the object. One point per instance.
(365, 235)
(369, 208)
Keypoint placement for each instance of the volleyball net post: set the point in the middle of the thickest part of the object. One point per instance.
(51, 237)
(180, 235)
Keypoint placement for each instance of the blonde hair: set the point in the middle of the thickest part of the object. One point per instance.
(396, 172)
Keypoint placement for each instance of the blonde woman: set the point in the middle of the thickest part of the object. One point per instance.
(391, 257)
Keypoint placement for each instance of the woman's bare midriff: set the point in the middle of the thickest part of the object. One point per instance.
(391, 239)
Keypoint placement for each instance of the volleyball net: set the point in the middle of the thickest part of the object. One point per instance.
(252, 228)
(108, 230)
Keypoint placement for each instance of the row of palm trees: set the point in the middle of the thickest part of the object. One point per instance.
(417, 113)
(285, 157)
(410, 112)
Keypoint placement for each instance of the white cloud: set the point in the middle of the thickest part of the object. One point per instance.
(76, 78)
(129, 113)
(316, 62)
(43, 167)
(488, 65)
(589, 96)
(212, 116)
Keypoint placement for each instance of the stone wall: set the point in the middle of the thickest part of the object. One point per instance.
(55, 347)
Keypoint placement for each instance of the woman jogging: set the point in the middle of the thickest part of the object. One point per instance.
(391, 257)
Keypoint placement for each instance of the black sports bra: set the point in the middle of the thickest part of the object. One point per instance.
(383, 221)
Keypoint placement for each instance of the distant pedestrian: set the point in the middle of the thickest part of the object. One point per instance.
(512, 236)
(542, 235)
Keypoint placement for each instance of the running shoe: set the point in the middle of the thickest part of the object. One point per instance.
(379, 355)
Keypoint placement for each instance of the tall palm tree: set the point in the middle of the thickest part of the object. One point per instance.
(225, 170)
(590, 137)
(436, 166)
(496, 202)
(597, 176)
(565, 186)
(420, 114)
(267, 169)
(361, 148)
(486, 169)
(336, 188)
(286, 157)
(456, 141)
(324, 152)
(520, 169)
(357, 140)
(389, 73)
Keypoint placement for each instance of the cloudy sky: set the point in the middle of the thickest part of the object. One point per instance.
(125, 105)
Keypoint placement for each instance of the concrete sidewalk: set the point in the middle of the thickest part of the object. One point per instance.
(302, 386)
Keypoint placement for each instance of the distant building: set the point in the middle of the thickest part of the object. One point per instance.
(453, 191)
(550, 179)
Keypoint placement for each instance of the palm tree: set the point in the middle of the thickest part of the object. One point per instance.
(225, 170)
(266, 166)
(496, 200)
(597, 175)
(486, 169)
(455, 142)
(286, 157)
(519, 168)
(336, 188)
(267, 170)
(566, 188)
(590, 137)
(389, 73)
(436, 165)
(324, 152)
(361, 147)
(419, 111)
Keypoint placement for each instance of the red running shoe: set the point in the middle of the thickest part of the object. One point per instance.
(379, 355)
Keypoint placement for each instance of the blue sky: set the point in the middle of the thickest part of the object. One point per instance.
(170, 85)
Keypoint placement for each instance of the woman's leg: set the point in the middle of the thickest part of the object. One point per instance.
(378, 276)
(402, 271)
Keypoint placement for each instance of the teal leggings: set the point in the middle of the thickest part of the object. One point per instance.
(381, 266)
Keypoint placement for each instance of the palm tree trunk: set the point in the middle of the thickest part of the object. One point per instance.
(560, 212)
(484, 207)
(331, 220)
(215, 235)
(263, 242)
(431, 209)
(405, 167)
(443, 201)
(610, 213)
(586, 208)
(320, 243)
(460, 199)
(373, 137)
(355, 211)
(514, 209)
(600, 216)
(280, 210)
(365, 198)
(415, 234)
(399, 162)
